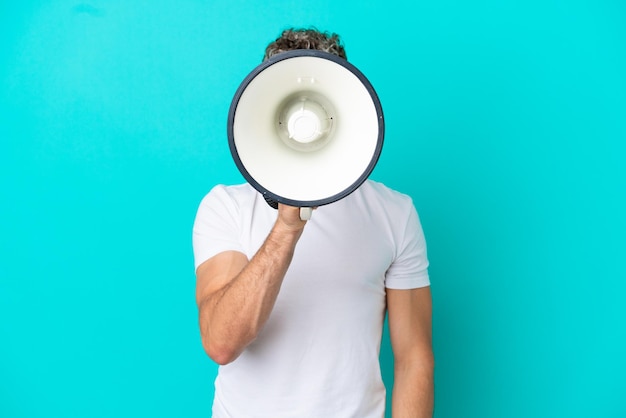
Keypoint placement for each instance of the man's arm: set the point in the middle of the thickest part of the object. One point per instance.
(235, 296)
(410, 330)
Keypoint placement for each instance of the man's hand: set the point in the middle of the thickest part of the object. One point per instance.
(289, 218)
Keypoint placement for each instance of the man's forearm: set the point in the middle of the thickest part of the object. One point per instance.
(246, 302)
(413, 392)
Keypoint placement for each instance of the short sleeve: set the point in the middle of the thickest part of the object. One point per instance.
(216, 228)
(409, 269)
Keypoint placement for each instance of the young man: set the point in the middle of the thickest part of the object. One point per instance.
(293, 311)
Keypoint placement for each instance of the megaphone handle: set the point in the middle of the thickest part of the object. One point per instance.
(305, 213)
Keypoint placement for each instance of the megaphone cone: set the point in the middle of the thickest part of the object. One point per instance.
(305, 128)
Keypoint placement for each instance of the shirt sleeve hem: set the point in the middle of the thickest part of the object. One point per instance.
(405, 283)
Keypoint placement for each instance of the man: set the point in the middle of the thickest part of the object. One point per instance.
(293, 311)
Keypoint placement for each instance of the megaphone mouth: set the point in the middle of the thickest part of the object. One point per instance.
(305, 121)
(305, 128)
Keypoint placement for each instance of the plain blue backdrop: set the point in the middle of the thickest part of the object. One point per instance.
(506, 123)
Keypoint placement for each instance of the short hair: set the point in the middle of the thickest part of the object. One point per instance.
(312, 38)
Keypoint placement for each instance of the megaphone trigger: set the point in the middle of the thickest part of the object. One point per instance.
(305, 213)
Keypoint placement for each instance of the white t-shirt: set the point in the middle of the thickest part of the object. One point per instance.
(318, 354)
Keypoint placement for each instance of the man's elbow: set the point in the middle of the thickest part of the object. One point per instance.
(222, 354)
(426, 360)
(422, 361)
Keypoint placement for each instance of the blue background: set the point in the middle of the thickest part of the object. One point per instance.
(506, 123)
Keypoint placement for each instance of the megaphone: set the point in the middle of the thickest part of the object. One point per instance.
(305, 128)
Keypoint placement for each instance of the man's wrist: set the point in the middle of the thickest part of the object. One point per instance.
(283, 231)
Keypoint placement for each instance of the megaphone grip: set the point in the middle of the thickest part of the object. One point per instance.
(270, 201)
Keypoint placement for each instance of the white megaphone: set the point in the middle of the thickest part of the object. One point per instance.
(305, 128)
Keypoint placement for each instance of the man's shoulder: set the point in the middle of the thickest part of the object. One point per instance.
(237, 192)
(233, 189)
(376, 190)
